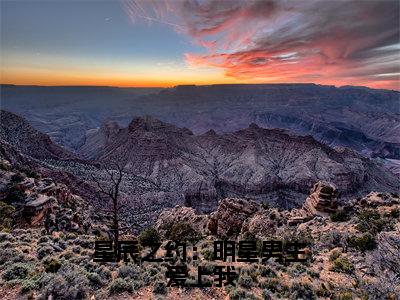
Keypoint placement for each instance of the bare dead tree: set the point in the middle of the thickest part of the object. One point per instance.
(110, 194)
(123, 214)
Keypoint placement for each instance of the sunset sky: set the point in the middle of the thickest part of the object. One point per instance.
(166, 43)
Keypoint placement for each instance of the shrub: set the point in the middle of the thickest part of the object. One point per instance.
(85, 241)
(183, 232)
(15, 196)
(149, 237)
(302, 291)
(362, 243)
(76, 249)
(67, 255)
(208, 253)
(267, 272)
(16, 271)
(26, 238)
(70, 236)
(301, 237)
(323, 292)
(239, 294)
(395, 213)
(265, 205)
(5, 236)
(51, 265)
(104, 272)
(69, 283)
(334, 255)
(6, 211)
(130, 271)
(272, 284)
(29, 285)
(342, 265)
(17, 178)
(10, 255)
(31, 173)
(44, 239)
(245, 281)
(119, 285)
(313, 274)
(334, 239)
(95, 280)
(160, 288)
(370, 220)
(44, 251)
(5, 165)
(340, 215)
(345, 296)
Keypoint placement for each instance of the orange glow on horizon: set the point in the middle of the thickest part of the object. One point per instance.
(164, 80)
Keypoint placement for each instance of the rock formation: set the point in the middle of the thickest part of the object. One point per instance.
(227, 221)
(322, 200)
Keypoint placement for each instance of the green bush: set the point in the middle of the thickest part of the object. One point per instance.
(6, 212)
(29, 285)
(208, 253)
(370, 220)
(16, 271)
(342, 265)
(149, 237)
(302, 291)
(362, 243)
(334, 255)
(120, 285)
(183, 232)
(160, 288)
(340, 215)
(51, 265)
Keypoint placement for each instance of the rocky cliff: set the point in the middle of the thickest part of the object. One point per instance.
(258, 163)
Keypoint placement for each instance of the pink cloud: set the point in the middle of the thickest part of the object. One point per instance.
(333, 42)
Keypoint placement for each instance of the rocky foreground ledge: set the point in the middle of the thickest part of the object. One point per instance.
(353, 249)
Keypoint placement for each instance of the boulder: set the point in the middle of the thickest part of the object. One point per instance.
(227, 221)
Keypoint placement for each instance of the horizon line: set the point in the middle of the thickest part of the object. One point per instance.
(199, 85)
